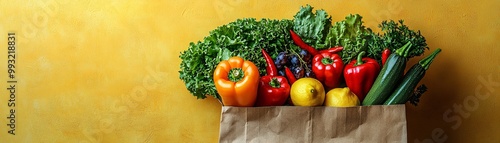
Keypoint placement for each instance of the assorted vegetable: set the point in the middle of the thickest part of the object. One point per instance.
(236, 81)
(244, 38)
(273, 89)
(345, 55)
(327, 65)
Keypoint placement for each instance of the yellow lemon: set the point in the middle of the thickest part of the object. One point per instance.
(307, 92)
(341, 97)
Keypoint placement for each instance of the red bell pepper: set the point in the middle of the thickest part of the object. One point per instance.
(328, 68)
(385, 55)
(273, 89)
(360, 74)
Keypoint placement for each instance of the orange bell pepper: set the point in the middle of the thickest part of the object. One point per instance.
(237, 82)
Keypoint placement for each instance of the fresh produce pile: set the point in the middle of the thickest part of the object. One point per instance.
(307, 61)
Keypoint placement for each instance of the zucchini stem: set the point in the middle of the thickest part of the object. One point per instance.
(426, 62)
(405, 50)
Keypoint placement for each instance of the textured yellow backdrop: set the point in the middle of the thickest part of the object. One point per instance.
(107, 71)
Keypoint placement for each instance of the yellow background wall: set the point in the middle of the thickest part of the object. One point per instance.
(107, 71)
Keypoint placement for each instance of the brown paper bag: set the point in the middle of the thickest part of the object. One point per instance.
(314, 124)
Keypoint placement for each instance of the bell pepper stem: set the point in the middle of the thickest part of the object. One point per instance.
(405, 50)
(426, 62)
(274, 83)
(326, 61)
(359, 61)
(235, 74)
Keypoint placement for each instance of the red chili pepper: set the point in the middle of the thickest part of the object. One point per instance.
(332, 50)
(291, 80)
(328, 68)
(290, 76)
(299, 42)
(303, 45)
(385, 55)
(273, 89)
(360, 74)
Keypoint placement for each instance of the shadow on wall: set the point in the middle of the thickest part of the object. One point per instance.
(448, 109)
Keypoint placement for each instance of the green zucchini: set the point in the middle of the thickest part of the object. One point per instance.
(389, 76)
(410, 80)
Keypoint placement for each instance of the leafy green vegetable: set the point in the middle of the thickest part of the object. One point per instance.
(352, 35)
(244, 38)
(415, 97)
(396, 35)
(312, 27)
